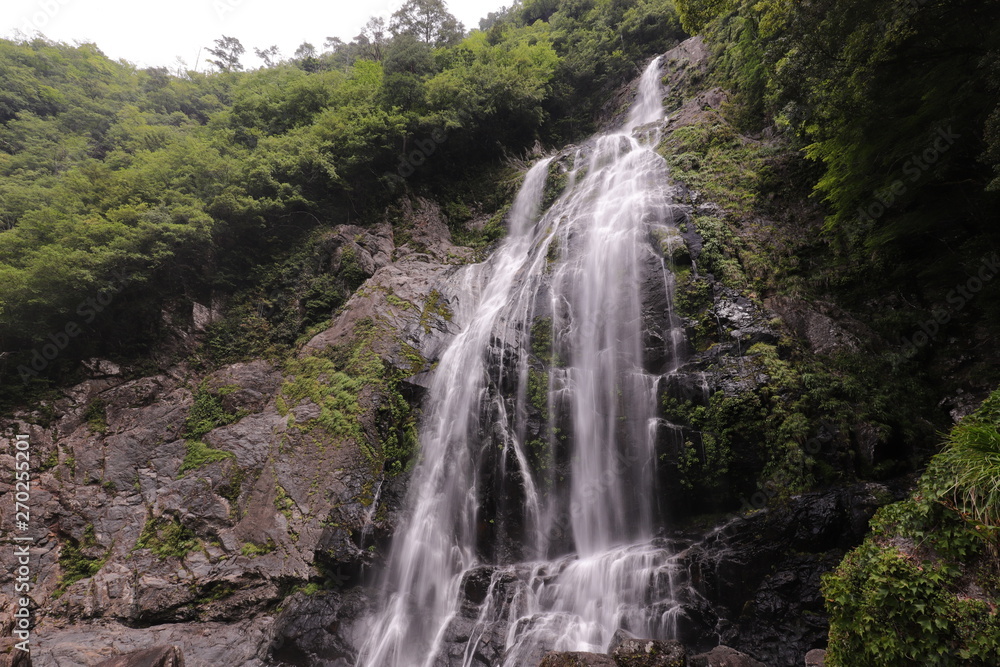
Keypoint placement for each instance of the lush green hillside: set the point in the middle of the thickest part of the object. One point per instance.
(142, 188)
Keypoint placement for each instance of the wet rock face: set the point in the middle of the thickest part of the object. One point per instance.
(320, 629)
(825, 328)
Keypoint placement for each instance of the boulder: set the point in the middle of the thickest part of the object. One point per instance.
(816, 658)
(723, 656)
(629, 651)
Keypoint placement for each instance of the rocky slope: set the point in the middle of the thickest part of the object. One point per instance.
(188, 510)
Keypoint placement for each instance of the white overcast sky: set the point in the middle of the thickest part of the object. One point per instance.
(157, 32)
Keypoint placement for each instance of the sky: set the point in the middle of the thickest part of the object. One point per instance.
(155, 33)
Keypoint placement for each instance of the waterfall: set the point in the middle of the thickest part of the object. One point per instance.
(548, 520)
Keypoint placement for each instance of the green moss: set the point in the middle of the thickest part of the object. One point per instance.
(252, 550)
(74, 564)
(50, 461)
(215, 591)
(435, 306)
(395, 301)
(555, 184)
(335, 381)
(456, 212)
(197, 454)
(693, 298)
(283, 502)
(711, 157)
(318, 379)
(540, 455)
(167, 538)
(541, 340)
(721, 251)
(312, 588)
(538, 392)
(233, 486)
(415, 361)
(552, 254)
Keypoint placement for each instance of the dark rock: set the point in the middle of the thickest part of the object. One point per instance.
(324, 624)
(621, 635)
(568, 659)
(634, 652)
(826, 328)
(754, 583)
(723, 656)
(11, 656)
(816, 658)
(158, 656)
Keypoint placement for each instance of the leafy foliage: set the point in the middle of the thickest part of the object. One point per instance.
(163, 188)
(870, 91)
(922, 588)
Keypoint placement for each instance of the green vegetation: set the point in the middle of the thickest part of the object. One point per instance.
(74, 564)
(768, 436)
(126, 191)
(434, 307)
(96, 417)
(167, 538)
(922, 588)
(252, 550)
(207, 413)
(336, 379)
(197, 454)
(868, 91)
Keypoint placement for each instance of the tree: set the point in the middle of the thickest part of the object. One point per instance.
(271, 56)
(373, 39)
(305, 50)
(427, 20)
(227, 54)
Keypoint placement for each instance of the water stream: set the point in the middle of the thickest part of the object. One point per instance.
(531, 514)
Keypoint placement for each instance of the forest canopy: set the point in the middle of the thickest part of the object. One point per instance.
(184, 183)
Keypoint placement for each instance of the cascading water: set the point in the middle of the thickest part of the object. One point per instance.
(562, 505)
